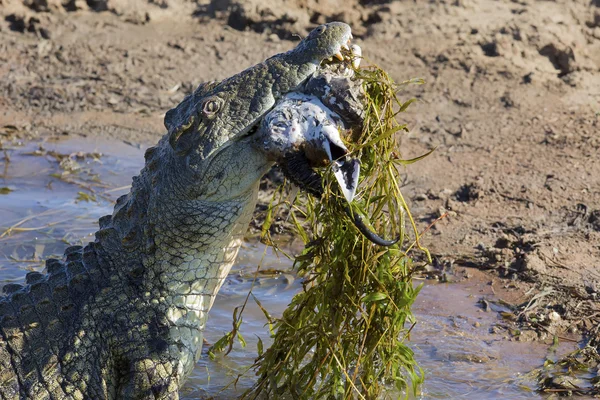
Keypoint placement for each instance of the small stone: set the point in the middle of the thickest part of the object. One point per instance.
(495, 330)
(554, 316)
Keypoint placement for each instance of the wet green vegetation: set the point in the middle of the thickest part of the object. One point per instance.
(345, 334)
(573, 374)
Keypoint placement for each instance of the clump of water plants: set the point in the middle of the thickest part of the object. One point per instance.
(344, 335)
(577, 373)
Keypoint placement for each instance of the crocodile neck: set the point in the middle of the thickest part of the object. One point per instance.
(176, 242)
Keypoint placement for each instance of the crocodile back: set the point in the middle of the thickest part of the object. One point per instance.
(43, 330)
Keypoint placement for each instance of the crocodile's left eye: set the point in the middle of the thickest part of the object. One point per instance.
(318, 31)
(211, 107)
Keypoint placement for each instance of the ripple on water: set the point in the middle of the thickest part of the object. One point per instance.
(47, 206)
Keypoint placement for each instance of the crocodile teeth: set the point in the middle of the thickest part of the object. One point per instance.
(356, 55)
(339, 56)
(345, 47)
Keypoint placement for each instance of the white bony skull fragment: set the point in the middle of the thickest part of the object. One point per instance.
(302, 123)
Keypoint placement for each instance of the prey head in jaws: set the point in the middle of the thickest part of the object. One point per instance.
(212, 133)
(302, 132)
(220, 114)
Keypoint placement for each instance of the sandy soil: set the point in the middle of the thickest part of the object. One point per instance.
(512, 103)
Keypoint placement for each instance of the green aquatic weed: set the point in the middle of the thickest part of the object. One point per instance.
(344, 335)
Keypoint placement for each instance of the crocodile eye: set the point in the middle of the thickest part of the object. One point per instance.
(320, 29)
(211, 107)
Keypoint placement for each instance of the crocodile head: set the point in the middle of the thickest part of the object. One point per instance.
(220, 114)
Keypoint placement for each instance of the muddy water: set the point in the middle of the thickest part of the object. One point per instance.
(47, 209)
(451, 340)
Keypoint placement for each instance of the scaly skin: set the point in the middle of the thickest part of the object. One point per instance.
(123, 317)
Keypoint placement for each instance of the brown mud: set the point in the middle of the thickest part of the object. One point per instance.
(512, 104)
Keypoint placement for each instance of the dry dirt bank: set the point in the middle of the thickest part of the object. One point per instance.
(512, 103)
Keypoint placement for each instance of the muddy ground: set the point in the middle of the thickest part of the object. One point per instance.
(512, 104)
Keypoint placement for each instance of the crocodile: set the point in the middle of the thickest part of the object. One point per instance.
(123, 317)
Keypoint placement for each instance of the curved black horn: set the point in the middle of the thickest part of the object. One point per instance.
(296, 167)
(358, 221)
